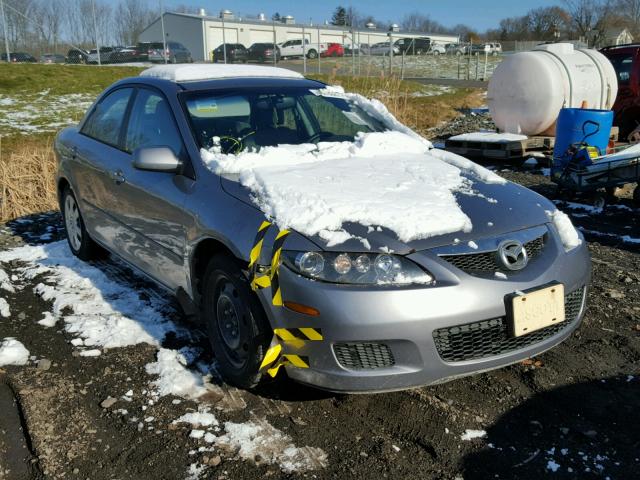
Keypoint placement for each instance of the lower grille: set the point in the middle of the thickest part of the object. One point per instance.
(364, 356)
(487, 262)
(487, 338)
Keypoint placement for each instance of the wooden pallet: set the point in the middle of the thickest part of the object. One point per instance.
(513, 149)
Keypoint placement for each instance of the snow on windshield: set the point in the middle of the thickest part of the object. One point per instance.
(394, 179)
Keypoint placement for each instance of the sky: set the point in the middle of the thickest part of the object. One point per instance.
(475, 13)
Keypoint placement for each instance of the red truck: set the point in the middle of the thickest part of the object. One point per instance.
(626, 62)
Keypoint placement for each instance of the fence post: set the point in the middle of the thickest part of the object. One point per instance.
(486, 59)
(224, 41)
(95, 29)
(319, 43)
(402, 67)
(304, 52)
(459, 56)
(477, 61)
(275, 46)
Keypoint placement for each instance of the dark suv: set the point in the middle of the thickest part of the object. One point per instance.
(413, 46)
(262, 52)
(236, 52)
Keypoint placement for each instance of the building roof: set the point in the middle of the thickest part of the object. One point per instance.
(255, 21)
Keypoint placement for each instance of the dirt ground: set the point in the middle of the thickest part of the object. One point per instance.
(570, 413)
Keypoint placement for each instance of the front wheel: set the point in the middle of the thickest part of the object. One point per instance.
(80, 243)
(239, 331)
(312, 54)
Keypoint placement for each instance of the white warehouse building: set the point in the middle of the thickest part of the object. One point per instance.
(201, 34)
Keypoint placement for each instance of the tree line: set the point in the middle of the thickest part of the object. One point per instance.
(54, 24)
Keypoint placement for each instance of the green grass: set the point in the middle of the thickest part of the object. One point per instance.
(60, 79)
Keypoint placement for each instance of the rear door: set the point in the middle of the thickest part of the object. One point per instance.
(150, 204)
(98, 163)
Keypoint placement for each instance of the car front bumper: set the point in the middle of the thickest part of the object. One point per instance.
(404, 320)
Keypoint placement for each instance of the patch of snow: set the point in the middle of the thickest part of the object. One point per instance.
(254, 438)
(174, 378)
(568, 233)
(470, 434)
(5, 282)
(48, 321)
(90, 353)
(473, 244)
(531, 162)
(500, 275)
(198, 419)
(189, 73)
(12, 352)
(195, 471)
(105, 313)
(491, 137)
(197, 434)
(553, 466)
(5, 311)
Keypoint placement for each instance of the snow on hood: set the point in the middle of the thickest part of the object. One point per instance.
(393, 179)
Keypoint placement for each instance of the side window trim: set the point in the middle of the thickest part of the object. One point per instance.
(125, 120)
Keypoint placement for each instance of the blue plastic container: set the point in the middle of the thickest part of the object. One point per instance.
(577, 125)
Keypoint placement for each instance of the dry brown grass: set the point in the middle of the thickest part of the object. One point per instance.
(27, 177)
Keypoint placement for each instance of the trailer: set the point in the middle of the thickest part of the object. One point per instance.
(605, 173)
(499, 146)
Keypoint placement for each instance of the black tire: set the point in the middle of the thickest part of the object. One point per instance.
(80, 243)
(311, 54)
(241, 342)
(636, 195)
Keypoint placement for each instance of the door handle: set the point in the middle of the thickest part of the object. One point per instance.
(118, 177)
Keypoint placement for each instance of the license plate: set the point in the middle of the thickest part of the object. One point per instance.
(536, 309)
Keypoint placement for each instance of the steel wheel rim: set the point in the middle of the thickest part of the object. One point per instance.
(72, 222)
(230, 313)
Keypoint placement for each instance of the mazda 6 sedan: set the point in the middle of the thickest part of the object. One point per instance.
(314, 234)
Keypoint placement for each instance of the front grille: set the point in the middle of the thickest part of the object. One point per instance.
(487, 338)
(487, 261)
(364, 356)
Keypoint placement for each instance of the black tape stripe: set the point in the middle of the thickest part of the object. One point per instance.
(277, 244)
(275, 284)
(296, 332)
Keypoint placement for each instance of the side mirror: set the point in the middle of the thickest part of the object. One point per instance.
(156, 159)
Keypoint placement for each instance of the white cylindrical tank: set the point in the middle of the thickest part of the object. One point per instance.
(528, 89)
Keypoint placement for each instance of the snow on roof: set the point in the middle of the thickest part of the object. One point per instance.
(190, 73)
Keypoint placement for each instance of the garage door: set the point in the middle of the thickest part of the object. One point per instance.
(215, 38)
(260, 36)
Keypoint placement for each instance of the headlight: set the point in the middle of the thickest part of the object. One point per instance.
(356, 268)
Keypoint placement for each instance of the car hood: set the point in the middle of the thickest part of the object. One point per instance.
(494, 210)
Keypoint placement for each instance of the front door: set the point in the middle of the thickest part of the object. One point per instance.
(150, 204)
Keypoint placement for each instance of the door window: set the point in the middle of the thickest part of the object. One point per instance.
(622, 65)
(151, 124)
(105, 122)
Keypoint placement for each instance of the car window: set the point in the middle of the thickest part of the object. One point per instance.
(151, 123)
(255, 119)
(622, 65)
(105, 122)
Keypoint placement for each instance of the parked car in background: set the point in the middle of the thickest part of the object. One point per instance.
(77, 56)
(106, 54)
(129, 54)
(18, 57)
(363, 49)
(294, 48)
(383, 49)
(263, 52)
(457, 49)
(495, 48)
(175, 53)
(145, 49)
(414, 46)
(491, 48)
(333, 50)
(142, 177)
(52, 58)
(437, 49)
(626, 62)
(235, 53)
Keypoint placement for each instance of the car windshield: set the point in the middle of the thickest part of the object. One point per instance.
(255, 118)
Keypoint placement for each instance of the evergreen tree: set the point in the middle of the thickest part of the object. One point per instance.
(275, 17)
(339, 16)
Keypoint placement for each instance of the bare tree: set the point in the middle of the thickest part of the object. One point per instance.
(417, 22)
(630, 11)
(132, 17)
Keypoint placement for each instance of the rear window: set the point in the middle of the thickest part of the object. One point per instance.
(622, 64)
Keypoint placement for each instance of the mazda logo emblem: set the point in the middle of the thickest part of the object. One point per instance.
(512, 255)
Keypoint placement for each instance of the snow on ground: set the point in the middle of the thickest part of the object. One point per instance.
(5, 311)
(5, 282)
(12, 352)
(491, 137)
(393, 179)
(107, 312)
(259, 439)
(189, 73)
(470, 434)
(41, 112)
